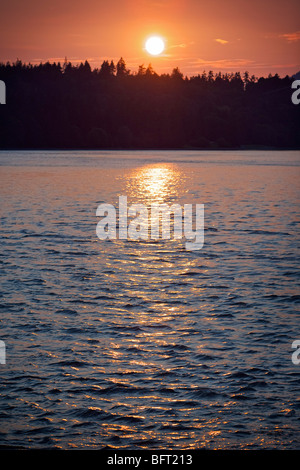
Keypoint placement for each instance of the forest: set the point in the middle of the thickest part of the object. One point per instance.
(66, 106)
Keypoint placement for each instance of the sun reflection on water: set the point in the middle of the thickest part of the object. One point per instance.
(159, 183)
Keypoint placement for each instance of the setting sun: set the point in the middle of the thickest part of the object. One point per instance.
(155, 45)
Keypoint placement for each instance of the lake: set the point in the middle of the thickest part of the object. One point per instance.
(141, 344)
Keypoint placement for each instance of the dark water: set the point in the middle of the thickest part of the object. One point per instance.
(135, 344)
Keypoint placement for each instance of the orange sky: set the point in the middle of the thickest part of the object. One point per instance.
(261, 36)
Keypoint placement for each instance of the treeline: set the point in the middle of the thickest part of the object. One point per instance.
(55, 105)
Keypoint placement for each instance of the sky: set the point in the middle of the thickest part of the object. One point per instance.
(260, 36)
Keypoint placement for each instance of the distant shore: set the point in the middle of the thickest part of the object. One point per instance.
(151, 149)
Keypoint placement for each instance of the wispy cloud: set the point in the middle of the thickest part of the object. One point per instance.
(291, 37)
(178, 45)
(221, 41)
(224, 63)
(181, 45)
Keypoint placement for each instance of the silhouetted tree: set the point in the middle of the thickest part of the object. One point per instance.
(149, 71)
(210, 76)
(50, 105)
(107, 69)
(141, 70)
(85, 68)
(122, 70)
(176, 74)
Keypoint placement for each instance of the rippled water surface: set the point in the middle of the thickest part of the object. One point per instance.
(142, 344)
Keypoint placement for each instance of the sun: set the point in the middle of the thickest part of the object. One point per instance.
(155, 45)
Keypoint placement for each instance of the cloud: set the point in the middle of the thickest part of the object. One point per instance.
(221, 41)
(224, 63)
(178, 45)
(181, 45)
(291, 37)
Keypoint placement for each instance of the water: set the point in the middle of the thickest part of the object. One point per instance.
(144, 345)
